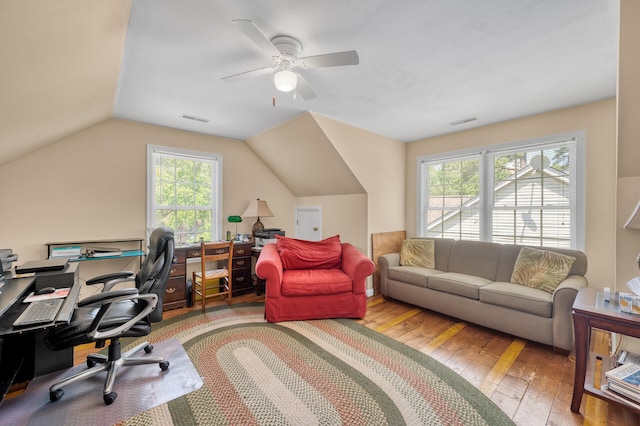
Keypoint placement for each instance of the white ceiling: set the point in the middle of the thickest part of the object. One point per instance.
(423, 64)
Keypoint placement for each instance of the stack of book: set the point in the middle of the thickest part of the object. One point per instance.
(624, 382)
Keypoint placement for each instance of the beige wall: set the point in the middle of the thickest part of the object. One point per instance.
(379, 165)
(93, 185)
(345, 215)
(597, 120)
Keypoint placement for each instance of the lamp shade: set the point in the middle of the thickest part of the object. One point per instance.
(285, 81)
(257, 208)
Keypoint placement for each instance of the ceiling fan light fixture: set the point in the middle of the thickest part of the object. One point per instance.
(285, 80)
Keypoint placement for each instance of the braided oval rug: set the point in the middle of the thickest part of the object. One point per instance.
(322, 372)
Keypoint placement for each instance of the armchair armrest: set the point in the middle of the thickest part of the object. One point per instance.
(357, 266)
(385, 262)
(97, 330)
(111, 279)
(269, 268)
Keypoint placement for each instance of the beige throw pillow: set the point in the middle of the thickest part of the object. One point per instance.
(418, 252)
(541, 269)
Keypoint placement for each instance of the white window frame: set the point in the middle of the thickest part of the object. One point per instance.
(487, 155)
(216, 184)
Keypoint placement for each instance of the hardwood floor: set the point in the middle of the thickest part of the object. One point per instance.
(530, 382)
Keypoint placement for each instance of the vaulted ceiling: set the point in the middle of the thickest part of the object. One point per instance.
(423, 65)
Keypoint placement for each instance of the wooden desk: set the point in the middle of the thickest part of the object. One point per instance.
(177, 295)
(591, 311)
(23, 353)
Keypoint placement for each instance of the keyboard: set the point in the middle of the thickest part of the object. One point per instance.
(39, 312)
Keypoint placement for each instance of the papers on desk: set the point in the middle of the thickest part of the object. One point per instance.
(59, 293)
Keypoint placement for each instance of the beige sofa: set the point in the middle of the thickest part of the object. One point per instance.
(471, 281)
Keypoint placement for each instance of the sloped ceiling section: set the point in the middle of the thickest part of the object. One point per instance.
(299, 153)
(60, 68)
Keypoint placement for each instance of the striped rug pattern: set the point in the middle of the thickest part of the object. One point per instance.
(324, 372)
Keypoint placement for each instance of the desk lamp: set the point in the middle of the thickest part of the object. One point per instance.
(257, 208)
(236, 220)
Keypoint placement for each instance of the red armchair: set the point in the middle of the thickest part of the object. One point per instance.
(313, 279)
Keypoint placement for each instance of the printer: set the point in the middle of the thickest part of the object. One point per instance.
(6, 258)
(267, 236)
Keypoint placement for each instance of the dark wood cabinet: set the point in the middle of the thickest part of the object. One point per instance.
(175, 294)
(241, 274)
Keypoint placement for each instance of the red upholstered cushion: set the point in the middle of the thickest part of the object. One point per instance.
(315, 282)
(301, 254)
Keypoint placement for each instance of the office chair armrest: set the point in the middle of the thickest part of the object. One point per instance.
(96, 332)
(100, 298)
(111, 279)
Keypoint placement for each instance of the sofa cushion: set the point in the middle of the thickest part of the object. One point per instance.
(411, 274)
(302, 254)
(541, 269)
(455, 283)
(478, 258)
(418, 253)
(315, 282)
(518, 297)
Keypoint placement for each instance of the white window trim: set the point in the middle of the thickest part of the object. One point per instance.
(577, 170)
(217, 201)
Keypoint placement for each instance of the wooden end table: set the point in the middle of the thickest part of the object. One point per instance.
(591, 311)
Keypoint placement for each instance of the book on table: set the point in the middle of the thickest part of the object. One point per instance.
(625, 380)
(620, 395)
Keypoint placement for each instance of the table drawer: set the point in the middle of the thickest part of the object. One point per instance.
(242, 280)
(241, 262)
(241, 250)
(175, 290)
(178, 269)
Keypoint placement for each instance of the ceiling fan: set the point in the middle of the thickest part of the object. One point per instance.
(285, 52)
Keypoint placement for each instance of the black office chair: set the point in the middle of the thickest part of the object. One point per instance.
(113, 314)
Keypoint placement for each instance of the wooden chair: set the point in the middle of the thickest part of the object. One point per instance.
(213, 252)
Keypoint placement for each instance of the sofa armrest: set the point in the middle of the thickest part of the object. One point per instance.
(357, 266)
(269, 268)
(563, 298)
(385, 262)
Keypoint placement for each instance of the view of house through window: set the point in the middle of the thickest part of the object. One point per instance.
(184, 193)
(521, 194)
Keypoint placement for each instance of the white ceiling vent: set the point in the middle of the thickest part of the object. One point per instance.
(194, 118)
(464, 120)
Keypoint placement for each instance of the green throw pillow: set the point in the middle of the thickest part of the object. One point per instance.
(418, 252)
(541, 269)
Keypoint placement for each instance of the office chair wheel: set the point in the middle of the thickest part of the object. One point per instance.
(148, 349)
(164, 365)
(109, 398)
(55, 395)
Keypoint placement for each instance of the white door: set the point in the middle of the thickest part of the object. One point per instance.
(308, 223)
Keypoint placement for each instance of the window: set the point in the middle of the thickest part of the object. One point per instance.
(521, 193)
(184, 193)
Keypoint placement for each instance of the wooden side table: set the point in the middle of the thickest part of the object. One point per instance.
(591, 311)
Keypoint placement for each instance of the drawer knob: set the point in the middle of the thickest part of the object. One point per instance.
(241, 262)
(170, 290)
(196, 254)
(241, 251)
(173, 271)
(240, 279)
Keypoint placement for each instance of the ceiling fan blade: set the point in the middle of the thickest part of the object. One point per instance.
(331, 60)
(303, 88)
(255, 35)
(247, 74)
